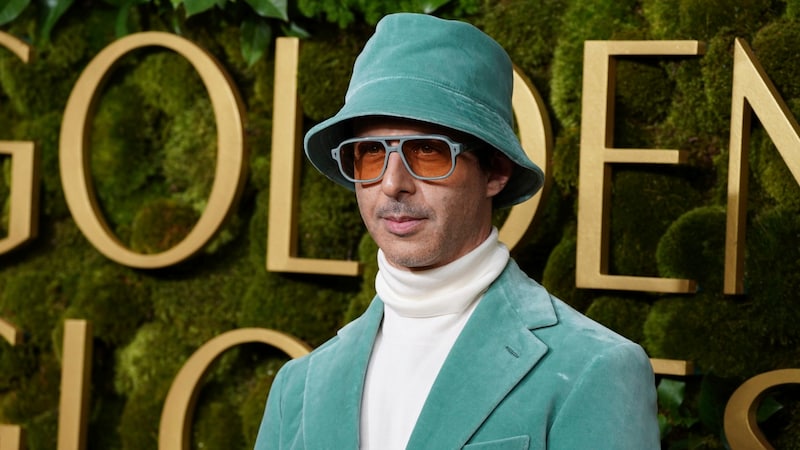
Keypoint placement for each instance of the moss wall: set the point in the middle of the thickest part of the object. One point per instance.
(153, 141)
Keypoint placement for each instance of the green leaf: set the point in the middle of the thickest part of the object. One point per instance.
(11, 9)
(121, 24)
(671, 394)
(429, 6)
(294, 30)
(55, 9)
(197, 6)
(270, 8)
(664, 426)
(255, 38)
(767, 408)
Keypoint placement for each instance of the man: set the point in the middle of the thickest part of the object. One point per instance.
(459, 349)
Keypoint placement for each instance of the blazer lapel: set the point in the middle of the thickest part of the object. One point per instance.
(335, 381)
(494, 352)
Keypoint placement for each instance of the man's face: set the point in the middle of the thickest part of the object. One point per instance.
(426, 224)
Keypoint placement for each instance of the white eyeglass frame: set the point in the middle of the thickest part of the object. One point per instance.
(456, 148)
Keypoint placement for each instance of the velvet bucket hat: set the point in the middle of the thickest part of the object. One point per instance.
(443, 72)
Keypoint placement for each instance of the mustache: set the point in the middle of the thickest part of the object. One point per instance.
(395, 209)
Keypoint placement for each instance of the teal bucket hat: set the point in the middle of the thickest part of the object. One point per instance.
(443, 72)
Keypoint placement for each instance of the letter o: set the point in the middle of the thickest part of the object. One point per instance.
(74, 162)
(741, 428)
(536, 137)
(176, 417)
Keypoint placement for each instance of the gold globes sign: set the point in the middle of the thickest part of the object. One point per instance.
(752, 93)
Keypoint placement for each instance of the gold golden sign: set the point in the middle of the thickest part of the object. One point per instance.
(229, 176)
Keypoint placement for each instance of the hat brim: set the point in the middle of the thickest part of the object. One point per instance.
(405, 98)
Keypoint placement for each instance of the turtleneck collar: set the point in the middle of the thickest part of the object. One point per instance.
(448, 289)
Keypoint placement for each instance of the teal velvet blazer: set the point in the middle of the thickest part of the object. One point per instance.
(527, 372)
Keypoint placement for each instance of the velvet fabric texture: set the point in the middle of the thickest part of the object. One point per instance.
(527, 372)
(442, 72)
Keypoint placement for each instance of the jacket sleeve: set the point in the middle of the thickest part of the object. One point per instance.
(612, 405)
(270, 430)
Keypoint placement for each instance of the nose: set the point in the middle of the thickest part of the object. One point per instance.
(396, 180)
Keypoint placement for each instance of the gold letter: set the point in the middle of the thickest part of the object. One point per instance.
(536, 137)
(671, 367)
(597, 155)
(17, 46)
(24, 209)
(284, 174)
(10, 435)
(76, 369)
(741, 428)
(176, 418)
(752, 92)
(74, 163)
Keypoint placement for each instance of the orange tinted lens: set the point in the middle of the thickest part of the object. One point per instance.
(428, 157)
(366, 159)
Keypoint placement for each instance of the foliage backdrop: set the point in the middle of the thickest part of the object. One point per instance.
(153, 143)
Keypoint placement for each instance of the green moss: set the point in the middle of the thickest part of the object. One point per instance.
(643, 94)
(126, 155)
(114, 299)
(167, 81)
(792, 10)
(161, 224)
(43, 129)
(702, 19)
(104, 420)
(139, 421)
(17, 364)
(332, 54)
(717, 83)
(41, 432)
(566, 159)
(196, 312)
(303, 306)
(624, 315)
(773, 175)
(39, 86)
(528, 38)
(685, 328)
(644, 203)
(368, 256)
(34, 300)
(775, 48)
(583, 20)
(693, 247)
(215, 424)
(153, 140)
(329, 224)
(150, 361)
(772, 280)
(257, 232)
(36, 397)
(552, 217)
(5, 190)
(253, 391)
(559, 274)
(191, 154)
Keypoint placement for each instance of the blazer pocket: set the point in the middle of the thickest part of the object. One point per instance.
(512, 443)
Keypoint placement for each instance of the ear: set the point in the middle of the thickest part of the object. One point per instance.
(499, 174)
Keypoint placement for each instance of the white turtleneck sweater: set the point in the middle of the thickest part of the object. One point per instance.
(424, 312)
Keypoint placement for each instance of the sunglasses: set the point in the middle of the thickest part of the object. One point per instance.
(426, 157)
